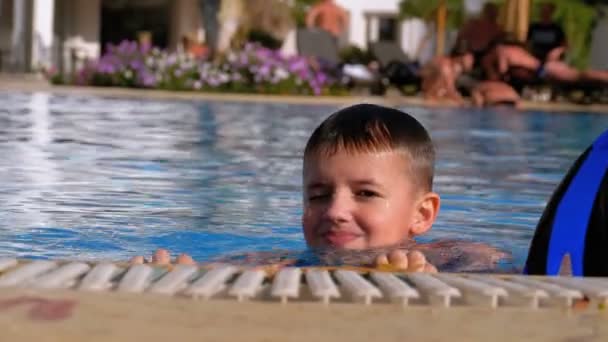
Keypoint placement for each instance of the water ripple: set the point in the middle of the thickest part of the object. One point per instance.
(102, 178)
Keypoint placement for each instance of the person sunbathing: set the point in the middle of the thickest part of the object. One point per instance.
(504, 59)
(489, 93)
(440, 74)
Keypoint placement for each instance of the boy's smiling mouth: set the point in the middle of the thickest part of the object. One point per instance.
(339, 238)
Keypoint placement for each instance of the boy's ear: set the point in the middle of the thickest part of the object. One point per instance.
(426, 213)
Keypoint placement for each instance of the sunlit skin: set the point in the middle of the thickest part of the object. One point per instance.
(439, 78)
(363, 200)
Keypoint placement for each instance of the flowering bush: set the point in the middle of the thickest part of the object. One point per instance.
(253, 69)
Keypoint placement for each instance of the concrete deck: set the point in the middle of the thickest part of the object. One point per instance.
(75, 316)
(33, 83)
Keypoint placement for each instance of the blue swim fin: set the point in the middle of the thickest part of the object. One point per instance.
(574, 224)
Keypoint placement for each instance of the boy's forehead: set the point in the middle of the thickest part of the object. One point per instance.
(354, 160)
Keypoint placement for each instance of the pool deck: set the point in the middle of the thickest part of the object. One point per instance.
(33, 83)
(75, 316)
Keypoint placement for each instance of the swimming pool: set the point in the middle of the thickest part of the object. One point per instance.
(97, 178)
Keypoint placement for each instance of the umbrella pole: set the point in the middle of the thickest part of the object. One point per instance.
(442, 12)
(523, 19)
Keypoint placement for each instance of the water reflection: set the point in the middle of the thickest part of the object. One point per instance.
(99, 178)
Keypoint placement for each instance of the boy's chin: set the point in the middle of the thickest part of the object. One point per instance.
(359, 244)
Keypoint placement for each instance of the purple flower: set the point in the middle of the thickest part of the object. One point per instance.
(252, 66)
(136, 64)
(321, 78)
(147, 80)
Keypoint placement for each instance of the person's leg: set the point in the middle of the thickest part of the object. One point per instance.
(477, 97)
(562, 71)
(595, 75)
(209, 10)
(491, 93)
(519, 57)
(499, 96)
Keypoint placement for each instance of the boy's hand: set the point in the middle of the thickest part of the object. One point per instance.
(162, 257)
(403, 260)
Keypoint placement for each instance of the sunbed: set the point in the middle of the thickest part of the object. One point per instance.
(321, 45)
(395, 65)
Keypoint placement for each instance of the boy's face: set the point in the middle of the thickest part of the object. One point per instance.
(362, 200)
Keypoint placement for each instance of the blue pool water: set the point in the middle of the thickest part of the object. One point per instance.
(97, 178)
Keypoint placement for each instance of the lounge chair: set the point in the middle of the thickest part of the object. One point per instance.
(588, 91)
(395, 65)
(322, 46)
(574, 224)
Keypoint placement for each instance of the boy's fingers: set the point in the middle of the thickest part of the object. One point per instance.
(398, 259)
(428, 268)
(416, 261)
(137, 260)
(184, 259)
(161, 257)
(381, 260)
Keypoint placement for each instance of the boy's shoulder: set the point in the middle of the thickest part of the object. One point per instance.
(462, 256)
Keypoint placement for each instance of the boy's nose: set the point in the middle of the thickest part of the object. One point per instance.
(340, 208)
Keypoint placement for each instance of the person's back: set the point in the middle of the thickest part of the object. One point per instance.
(327, 16)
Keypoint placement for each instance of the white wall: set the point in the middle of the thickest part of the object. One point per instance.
(78, 29)
(86, 32)
(356, 9)
(42, 37)
(185, 20)
(412, 31)
(598, 57)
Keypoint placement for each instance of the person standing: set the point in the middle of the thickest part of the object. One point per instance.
(209, 10)
(328, 16)
(545, 35)
(479, 34)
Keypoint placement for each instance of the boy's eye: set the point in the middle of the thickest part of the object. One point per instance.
(367, 193)
(317, 197)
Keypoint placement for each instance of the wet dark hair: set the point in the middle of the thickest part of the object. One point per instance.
(371, 128)
(460, 51)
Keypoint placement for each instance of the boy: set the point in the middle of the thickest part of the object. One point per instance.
(367, 179)
(367, 174)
